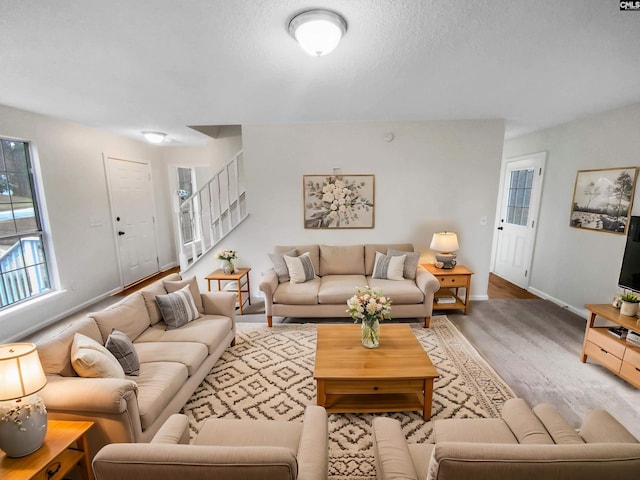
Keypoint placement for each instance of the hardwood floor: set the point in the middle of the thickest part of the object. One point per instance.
(146, 281)
(501, 288)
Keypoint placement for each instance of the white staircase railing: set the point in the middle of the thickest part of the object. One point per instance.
(211, 213)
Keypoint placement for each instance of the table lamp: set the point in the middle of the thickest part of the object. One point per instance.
(445, 243)
(23, 417)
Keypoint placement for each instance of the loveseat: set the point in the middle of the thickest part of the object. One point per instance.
(531, 444)
(224, 449)
(172, 362)
(337, 271)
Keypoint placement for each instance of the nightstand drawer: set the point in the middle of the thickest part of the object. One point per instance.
(58, 468)
(601, 338)
(603, 356)
(630, 373)
(452, 280)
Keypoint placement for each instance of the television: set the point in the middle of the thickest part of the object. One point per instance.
(630, 270)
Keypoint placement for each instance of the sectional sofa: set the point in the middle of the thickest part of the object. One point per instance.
(338, 270)
(172, 363)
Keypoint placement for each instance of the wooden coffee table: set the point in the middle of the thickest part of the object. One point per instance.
(395, 377)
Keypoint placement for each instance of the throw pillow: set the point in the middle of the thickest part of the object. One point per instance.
(91, 360)
(410, 263)
(300, 268)
(177, 308)
(122, 348)
(388, 267)
(175, 285)
(280, 266)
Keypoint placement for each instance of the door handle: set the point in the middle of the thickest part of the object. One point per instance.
(500, 228)
(120, 233)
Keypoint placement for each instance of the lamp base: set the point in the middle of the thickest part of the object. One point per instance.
(23, 426)
(448, 260)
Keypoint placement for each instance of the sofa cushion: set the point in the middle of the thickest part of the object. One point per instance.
(523, 423)
(336, 289)
(410, 263)
(558, 428)
(473, 430)
(341, 260)
(280, 266)
(389, 267)
(177, 308)
(314, 252)
(129, 316)
(402, 292)
(122, 348)
(55, 351)
(190, 354)
(209, 330)
(158, 383)
(250, 433)
(371, 249)
(599, 426)
(149, 294)
(298, 293)
(300, 268)
(91, 360)
(175, 285)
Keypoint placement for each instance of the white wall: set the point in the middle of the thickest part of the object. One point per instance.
(70, 158)
(573, 266)
(433, 176)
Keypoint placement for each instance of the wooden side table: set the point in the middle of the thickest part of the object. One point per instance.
(64, 447)
(450, 281)
(237, 277)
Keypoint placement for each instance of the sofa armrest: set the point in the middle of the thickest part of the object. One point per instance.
(313, 449)
(220, 303)
(427, 282)
(600, 427)
(393, 459)
(78, 394)
(268, 285)
(133, 461)
(174, 431)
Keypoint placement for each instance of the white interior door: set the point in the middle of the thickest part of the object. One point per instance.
(132, 210)
(521, 187)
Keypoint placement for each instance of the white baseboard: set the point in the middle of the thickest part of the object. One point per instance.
(582, 312)
(479, 297)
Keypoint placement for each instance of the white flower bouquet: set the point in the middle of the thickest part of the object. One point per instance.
(227, 255)
(369, 305)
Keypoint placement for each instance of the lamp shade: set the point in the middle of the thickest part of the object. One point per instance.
(21, 372)
(318, 31)
(444, 242)
(154, 137)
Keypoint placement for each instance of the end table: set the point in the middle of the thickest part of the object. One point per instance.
(237, 277)
(450, 281)
(64, 447)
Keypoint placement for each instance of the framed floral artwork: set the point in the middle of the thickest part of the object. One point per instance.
(338, 201)
(602, 199)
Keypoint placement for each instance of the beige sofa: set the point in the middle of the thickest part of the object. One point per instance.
(224, 449)
(339, 270)
(526, 444)
(173, 363)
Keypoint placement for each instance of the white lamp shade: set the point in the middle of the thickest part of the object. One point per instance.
(318, 31)
(21, 372)
(444, 242)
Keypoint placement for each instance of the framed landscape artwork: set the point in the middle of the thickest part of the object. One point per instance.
(602, 199)
(338, 201)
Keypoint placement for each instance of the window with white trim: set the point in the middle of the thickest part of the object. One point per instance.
(24, 272)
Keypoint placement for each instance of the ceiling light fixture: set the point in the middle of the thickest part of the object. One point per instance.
(318, 31)
(154, 137)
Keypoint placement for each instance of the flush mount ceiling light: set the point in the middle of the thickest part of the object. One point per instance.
(154, 137)
(317, 31)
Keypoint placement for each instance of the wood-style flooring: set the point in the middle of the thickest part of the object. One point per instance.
(146, 281)
(501, 288)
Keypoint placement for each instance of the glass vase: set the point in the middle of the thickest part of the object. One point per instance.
(370, 334)
(227, 267)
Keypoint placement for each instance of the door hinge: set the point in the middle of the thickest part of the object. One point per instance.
(526, 272)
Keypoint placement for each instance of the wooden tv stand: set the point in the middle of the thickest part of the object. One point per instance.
(616, 354)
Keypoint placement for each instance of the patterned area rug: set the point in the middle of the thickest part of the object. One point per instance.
(269, 374)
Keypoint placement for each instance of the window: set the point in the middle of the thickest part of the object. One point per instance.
(23, 265)
(519, 196)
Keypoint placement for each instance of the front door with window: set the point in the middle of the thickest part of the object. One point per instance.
(521, 186)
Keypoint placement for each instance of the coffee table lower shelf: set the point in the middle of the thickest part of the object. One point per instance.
(374, 403)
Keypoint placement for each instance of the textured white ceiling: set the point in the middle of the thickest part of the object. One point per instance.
(127, 66)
